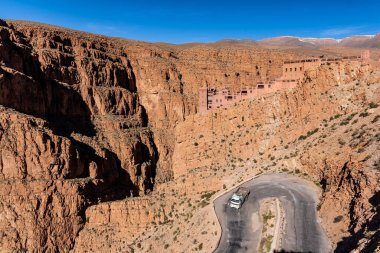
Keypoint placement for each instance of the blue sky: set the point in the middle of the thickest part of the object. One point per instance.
(203, 21)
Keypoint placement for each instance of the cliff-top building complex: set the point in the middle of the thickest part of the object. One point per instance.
(292, 73)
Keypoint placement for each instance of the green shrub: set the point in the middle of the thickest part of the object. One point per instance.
(341, 142)
(361, 150)
(309, 133)
(376, 164)
(207, 195)
(373, 105)
(338, 218)
(302, 137)
(377, 117)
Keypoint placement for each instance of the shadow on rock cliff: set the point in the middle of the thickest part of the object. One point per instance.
(369, 230)
(67, 112)
(27, 89)
(108, 181)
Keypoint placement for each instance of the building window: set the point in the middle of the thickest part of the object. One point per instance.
(295, 69)
(300, 68)
(290, 69)
(286, 70)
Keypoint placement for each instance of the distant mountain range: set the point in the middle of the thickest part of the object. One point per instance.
(365, 41)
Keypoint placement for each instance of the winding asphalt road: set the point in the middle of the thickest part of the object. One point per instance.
(302, 232)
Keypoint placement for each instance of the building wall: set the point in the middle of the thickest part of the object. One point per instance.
(295, 70)
(292, 73)
(365, 55)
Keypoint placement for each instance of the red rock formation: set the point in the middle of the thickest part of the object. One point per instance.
(70, 103)
(86, 119)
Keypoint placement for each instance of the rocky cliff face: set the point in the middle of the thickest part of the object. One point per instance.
(93, 117)
(86, 119)
(326, 128)
(272, 120)
(73, 133)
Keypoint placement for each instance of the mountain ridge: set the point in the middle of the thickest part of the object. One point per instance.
(370, 41)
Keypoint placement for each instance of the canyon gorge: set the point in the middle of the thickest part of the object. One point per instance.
(102, 148)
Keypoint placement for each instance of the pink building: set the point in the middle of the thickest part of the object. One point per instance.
(212, 98)
(294, 70)
(366, 55)
(292, 73)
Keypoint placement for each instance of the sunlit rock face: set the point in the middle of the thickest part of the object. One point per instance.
(87, 122)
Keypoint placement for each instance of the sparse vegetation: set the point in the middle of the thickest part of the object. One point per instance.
(363, 114)
(309, 133)
(347, 120)
(377, 117)
(373, 105)
(207, 195)
(266, 243)
(376, 164)
(338, 218)
(361, 150)
(341, 142)
(267, 216)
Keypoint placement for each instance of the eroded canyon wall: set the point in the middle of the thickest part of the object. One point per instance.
(86, 119)
(73, 133)
(92, 118)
